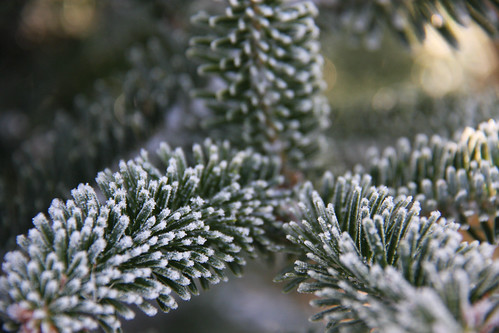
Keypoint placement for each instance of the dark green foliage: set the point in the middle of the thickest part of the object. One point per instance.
(459, 178)
(157, 232)
(370, 245)
(392, 270)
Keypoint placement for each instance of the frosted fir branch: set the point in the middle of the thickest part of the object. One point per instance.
(264, 56)
(407, 20)
(158, 232)
(394, 271)
(354, 200)
(458, 177)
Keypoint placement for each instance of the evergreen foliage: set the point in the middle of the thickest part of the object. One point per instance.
(460, 179)
(375, 263)
(154, 234)
(266, 55)
(383, 248)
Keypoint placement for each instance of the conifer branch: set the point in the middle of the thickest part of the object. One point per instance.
(153, 235)
(459, 178)
(266, 55)
(372, 247)
(375, 263)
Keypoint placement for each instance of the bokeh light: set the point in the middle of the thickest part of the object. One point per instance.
(43, 19)
(440, 69)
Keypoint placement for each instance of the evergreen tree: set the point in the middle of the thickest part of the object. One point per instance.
(403, 243)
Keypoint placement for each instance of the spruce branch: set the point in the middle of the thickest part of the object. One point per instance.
(155, 232)
(460, 178)
(407, 19)
(265, 56)
(375, 263)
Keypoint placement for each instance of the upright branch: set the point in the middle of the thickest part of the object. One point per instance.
(265, 57)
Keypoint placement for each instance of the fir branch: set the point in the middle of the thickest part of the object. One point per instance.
(407, 19)
(266, 56)
(157, 232)
(459, 178)
(393, 271)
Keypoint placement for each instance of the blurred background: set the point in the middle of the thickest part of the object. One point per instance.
(85, 83)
